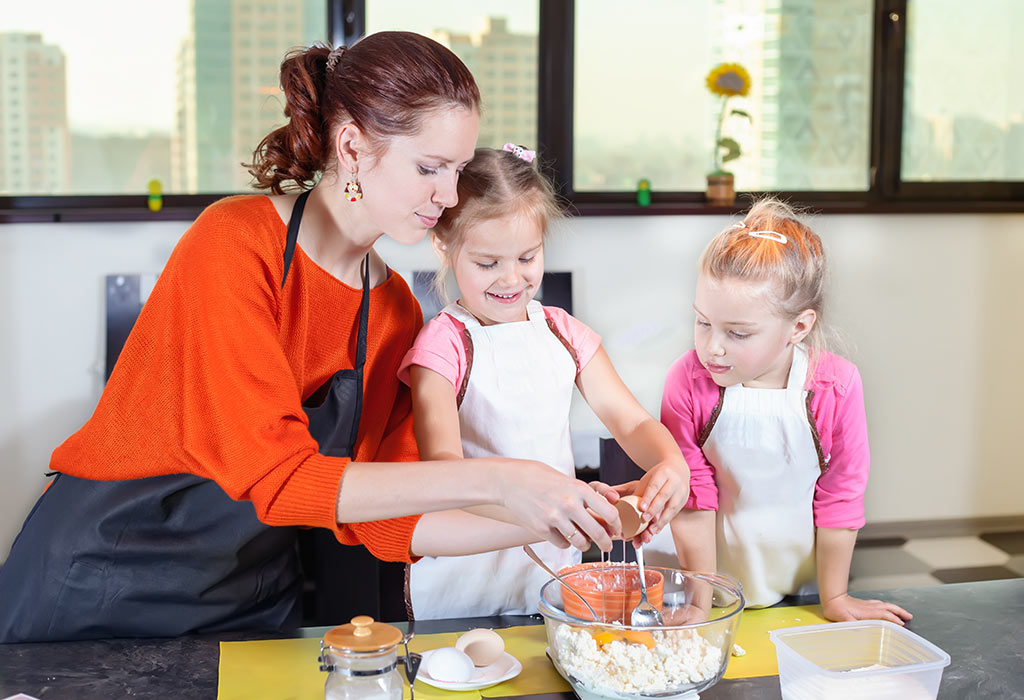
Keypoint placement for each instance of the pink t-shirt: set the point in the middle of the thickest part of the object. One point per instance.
(440, 347)
(840, 427)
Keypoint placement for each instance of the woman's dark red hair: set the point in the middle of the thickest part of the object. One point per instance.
(386, 83)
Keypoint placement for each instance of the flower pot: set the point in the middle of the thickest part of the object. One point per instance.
(721, 191)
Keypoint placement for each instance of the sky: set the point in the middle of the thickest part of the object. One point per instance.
(127, 49)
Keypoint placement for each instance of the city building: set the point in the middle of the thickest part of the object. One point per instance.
(505, 67)
(34, 138)
(228, 97)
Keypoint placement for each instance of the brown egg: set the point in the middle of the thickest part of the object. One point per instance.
(629, 514)
(483, 646)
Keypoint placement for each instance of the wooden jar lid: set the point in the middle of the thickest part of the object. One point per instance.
(363, 634)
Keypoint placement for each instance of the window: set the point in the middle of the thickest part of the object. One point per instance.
(481, 34)
(132, 96)
(854, 104)
(963, 116)
(642, 108)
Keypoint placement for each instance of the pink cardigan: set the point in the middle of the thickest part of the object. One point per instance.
(835, 400)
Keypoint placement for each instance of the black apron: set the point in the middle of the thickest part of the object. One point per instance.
(170, 555)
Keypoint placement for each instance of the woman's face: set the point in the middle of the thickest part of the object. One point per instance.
(410, 184)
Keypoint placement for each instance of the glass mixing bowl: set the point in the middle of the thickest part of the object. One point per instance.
(602, 659)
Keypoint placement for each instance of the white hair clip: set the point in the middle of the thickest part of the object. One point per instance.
(770, 235)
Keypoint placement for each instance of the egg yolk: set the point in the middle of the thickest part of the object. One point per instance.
(629, 636)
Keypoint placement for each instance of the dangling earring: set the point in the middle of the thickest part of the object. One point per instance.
(353, 190)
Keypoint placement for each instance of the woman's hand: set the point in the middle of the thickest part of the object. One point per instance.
(845, 607)
(562, 510)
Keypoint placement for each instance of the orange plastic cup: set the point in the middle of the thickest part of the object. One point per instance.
(612, 590)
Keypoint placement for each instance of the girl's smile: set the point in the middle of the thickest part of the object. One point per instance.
(499, 267)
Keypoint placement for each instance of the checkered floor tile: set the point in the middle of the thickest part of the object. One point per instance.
(922, 561)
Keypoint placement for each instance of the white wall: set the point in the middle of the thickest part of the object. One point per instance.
(933, 305)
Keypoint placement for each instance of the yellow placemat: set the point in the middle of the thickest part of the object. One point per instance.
(752, 635)
(287, 669)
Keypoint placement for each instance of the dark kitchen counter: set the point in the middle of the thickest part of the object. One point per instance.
(978, 624)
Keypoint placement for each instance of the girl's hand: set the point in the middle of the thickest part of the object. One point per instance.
(663, 492)
(845, 607)
(562, 510)
(614, 493)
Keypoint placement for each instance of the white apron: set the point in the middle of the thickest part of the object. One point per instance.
(521, 380)
(766, 465)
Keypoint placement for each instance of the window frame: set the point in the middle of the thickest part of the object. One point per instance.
(887, 193)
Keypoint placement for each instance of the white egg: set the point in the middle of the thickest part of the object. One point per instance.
(449, 664)
(483, 646)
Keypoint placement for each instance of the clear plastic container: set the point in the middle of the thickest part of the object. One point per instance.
(864, 659)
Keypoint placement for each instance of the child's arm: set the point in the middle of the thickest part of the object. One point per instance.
(839, 503)
(437, 416)
(834, 551)
(693, 532)
(451, 533)
(665, 487)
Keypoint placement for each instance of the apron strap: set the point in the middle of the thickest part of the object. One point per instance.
(293, 232)
(364, 315)
(467, 343)
(565, 343)
(715, 412)
(822, 462)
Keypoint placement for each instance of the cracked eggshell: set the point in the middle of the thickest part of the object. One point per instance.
(630, 517)
(483, 646)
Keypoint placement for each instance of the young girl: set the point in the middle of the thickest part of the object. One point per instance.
(771, 424)
(493, 375)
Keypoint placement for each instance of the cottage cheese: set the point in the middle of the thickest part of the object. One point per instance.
(679, 658)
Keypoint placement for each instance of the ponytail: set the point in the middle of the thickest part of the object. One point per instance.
(295, 151)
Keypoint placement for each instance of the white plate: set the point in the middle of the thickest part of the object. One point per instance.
(506, 667)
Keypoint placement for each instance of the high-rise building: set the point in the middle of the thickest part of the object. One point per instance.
(34, 138)
(817, 68)
(505, 67)
(811, 94)
(228, 85)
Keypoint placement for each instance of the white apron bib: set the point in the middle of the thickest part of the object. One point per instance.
(766, 465)
(516, 404)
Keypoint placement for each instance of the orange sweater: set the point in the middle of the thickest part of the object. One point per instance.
(211, 379)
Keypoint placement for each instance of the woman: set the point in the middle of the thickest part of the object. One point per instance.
(263, 369)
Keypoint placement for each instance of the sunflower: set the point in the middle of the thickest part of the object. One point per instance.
(728, 80)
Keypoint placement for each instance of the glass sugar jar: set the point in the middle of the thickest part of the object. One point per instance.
(361, 661)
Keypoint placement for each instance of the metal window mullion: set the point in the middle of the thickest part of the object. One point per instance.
(887, 98)
(346, 21)
(555, 67)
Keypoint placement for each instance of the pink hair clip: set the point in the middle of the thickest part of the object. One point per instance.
(520, 152)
